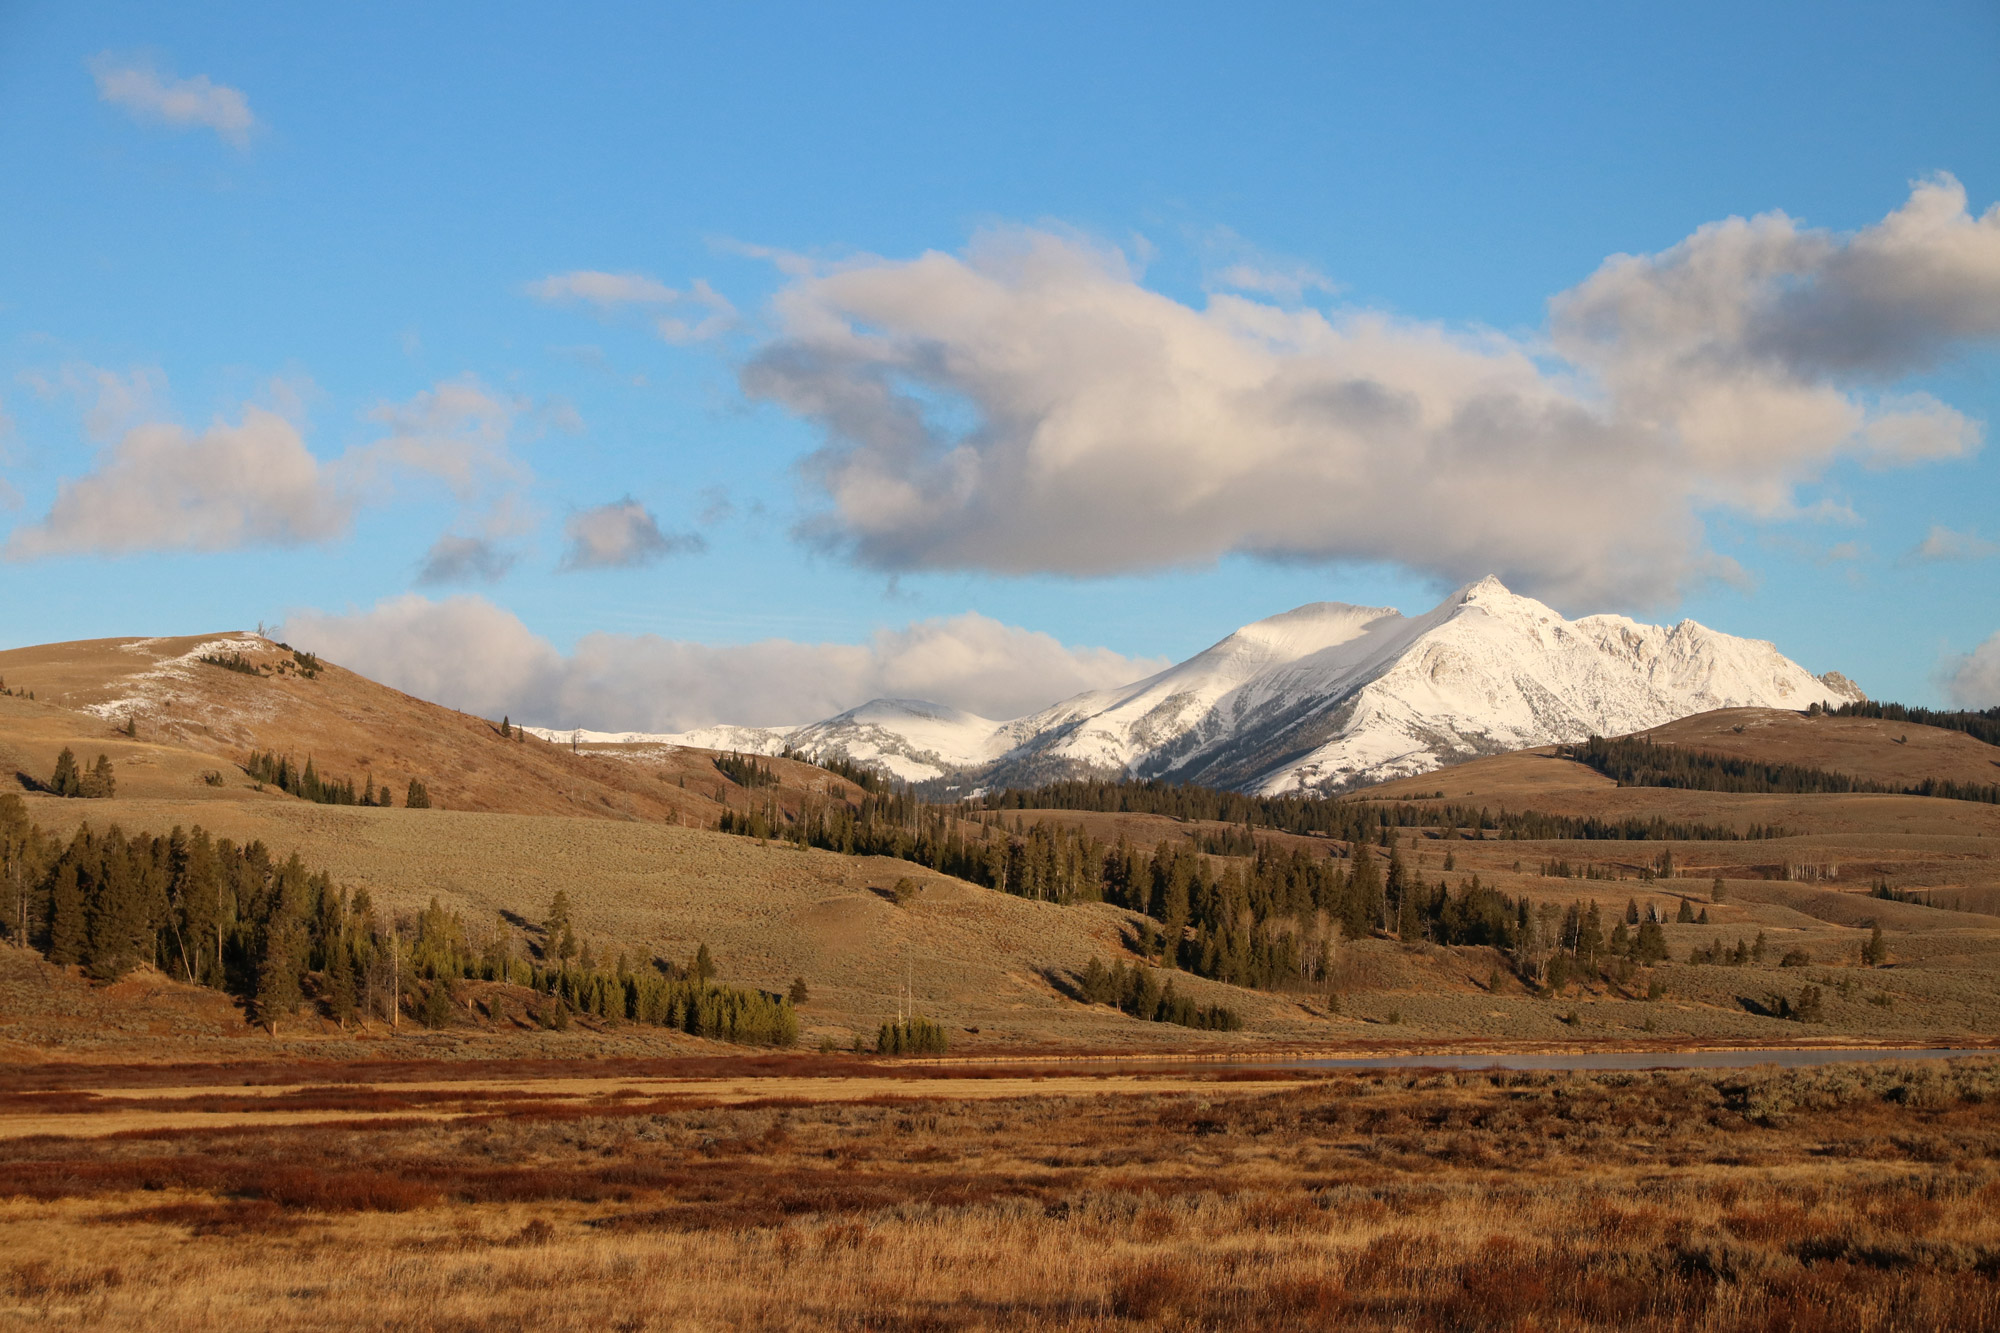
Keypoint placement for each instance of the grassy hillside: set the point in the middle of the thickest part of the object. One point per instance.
(625, 831)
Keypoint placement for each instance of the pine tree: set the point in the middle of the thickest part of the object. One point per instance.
(1717, 891)
(67, 781)
(1686, 915)
(558, 941)
(799, 994)
(506, 728)
(340, 983)
(1631, 911)
(281, 947)
(68, 924)
(124, 912)
(20, 844)
(1876, 951)
(418, 797)
(704, 964)
(99, 783)
(1395, 888)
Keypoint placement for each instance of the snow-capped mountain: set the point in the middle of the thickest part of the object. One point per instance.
(1331, 696)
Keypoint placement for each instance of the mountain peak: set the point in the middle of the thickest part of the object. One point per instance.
(1489, 591)
(1330, 695)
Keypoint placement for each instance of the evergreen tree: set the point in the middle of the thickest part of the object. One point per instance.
(1590, 939)
(125, 909)
(799, 994)
(506, 728)
(1364, 894)
(340, 984)
(1876, 951)
(1395, 887)
(68, 926)
(67, 781)
(1558, 971)
(20, 864)
(1718, 890)
(281, 947)
(704, 964)
(418, 797)
(1631, 911)
(1686, 915)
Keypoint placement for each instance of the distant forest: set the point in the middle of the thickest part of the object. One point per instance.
(1266, 916)
(1983, 726)
(279, 935)
(1632, 762)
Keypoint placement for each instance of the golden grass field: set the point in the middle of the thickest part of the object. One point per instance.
(1857, 1198)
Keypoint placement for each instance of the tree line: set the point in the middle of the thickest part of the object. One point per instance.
(1984, 725)
(1634, 762)
(1137, 991)
(308, 784)
(745, 771)
(1348, 819)
(1272, 920)
(278, 935)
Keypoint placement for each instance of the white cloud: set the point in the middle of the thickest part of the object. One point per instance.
(604, 289)
(151, 95)
(468, 653)
(458, 559)
(456, 431)
(621, 535)
(694, 315)
(1973, 681)
(1942, 544)
(1030, 407)
(112, 402)
(162, 487)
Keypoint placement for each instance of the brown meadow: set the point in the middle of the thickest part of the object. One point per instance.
(1849, 1197)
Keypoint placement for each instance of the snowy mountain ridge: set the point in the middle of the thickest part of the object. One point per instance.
(1330, 696)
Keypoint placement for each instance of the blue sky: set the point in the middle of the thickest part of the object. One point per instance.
(526, 333)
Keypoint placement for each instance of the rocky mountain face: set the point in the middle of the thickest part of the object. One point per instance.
(1331, 696)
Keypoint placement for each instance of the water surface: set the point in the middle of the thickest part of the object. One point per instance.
(1593, 1060)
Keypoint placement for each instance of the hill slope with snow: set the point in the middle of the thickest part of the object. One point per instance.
(1331, 696)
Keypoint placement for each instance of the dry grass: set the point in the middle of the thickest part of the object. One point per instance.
(1845, 1198)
